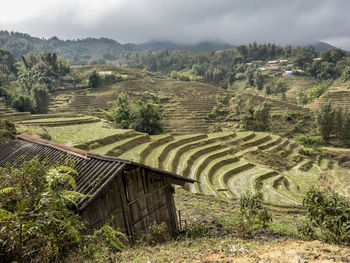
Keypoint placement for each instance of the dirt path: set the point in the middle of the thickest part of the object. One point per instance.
(282, 252)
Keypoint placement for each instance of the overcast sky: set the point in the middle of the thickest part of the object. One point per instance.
(185, 21)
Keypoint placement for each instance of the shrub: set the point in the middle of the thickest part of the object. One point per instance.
(309, 141)
(23, 103)
(94, 79)
(41, 98)
(195, 230)
(140, 116)
(36, 224)
(329, 216)
(252, 213)
(157, 233)
(4, 93)
(287, 116)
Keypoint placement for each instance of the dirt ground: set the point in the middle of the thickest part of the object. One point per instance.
(282, 252)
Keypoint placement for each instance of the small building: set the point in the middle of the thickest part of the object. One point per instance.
(288, 73)
(105, 73)
(129, 195)
(272, 62)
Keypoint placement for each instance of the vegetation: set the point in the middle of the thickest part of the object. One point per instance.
(335, 122)
(140, 116)
(37, 218)
(37, 224)
(252, 212)
(26, 85)
(329, 217)
(7, 131)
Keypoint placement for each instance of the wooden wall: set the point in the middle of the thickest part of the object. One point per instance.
(134, 201)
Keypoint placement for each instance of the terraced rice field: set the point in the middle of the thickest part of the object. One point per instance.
(225, 164)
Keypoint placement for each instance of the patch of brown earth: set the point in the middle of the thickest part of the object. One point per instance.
(282, 252)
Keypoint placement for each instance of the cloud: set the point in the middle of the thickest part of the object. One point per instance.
(233, 21)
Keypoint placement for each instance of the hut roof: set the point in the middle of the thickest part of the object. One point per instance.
(95, 171)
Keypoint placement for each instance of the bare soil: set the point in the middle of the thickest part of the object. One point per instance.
(282, 252)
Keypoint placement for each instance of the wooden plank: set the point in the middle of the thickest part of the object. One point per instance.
(126, 211)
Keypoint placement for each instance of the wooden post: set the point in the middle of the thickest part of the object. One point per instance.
(126, 210)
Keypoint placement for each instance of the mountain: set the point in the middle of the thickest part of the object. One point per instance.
(75, 50)
(93, 48)
(320, 46)
(101, 50)
(156, 45)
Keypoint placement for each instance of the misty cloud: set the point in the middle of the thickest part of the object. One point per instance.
(186, 21)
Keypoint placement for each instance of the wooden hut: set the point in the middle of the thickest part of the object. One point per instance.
(128, 195)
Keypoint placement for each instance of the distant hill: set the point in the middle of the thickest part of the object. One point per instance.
(320, 46)
(103, 50)
(90, 49)
(156, 45)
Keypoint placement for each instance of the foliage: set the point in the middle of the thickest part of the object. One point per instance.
(110, 237)
(41, 98)
(221, 68)
(23, 103)
(325, 120)
(330, 214)
(331, 65)
(7, 131)
(252, 213)
(195, 230)
(157, 233)
(345, 76)
(37, 225)
(309, 95)
(146, 117)
(309, 141)
(94, 79)
(262, 115)
(140, 116)
(121, 112)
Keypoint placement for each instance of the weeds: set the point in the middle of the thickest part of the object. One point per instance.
(329, 217)
(252, 212)
(157, 233)
(195, 230)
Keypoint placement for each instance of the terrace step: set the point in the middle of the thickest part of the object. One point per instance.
(119, 147)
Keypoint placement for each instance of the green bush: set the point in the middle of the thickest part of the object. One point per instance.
(4, 93)
(309, 141)
(195, 230)
(140, 116)
(329, 216)
(252, 214)
(157, 233)
(23, 103)
(36, 222)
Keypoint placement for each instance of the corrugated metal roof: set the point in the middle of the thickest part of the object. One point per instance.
(95, 171)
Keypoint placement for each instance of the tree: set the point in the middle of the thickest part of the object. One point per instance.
(22, 103)
(259, 80)
(146, 117)
(250, 77)
(41, 98)
(122, 111)
(140, 116)
(94, 79)
(262, 115)
(325, 120)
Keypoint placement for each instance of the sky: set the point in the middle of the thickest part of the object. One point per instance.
(183, 21)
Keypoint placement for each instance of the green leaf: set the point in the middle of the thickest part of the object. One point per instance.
(5, 214)
(6, 190)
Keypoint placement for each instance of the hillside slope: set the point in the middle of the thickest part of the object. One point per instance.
(185, 104)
